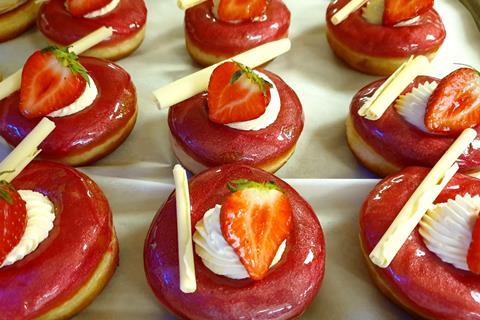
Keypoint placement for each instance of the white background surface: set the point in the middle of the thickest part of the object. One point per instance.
(136, 178)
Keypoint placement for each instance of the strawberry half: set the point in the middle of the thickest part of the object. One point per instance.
(255, 219)
(455, 103)
(473, 256)
(400, 10)
(79, 8)
(241, 10)
(52, 78)
(13, 219)
(236, 93)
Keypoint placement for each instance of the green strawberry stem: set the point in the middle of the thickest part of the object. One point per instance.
(4, 193)
(69, 60)
(241, 184)
(262, 84)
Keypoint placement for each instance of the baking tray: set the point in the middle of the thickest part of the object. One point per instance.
(136, 177)
(324, 84)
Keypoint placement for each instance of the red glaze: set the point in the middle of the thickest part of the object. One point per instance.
(62, 263)
(228, 39)
(214, 144)
(402, 143)
(434, 287)
(425, 36)
(288, 288)
(114, 106)
(126, 20)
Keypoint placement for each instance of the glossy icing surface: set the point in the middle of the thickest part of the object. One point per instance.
(223, 38)
(114, 106)
(75, 246)
(418, 275)
(377, 40)
(126, 19)
(400, 142)
(285, 293)
(215, 144)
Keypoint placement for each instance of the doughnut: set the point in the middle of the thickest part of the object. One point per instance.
(379, 49)
(417, 280)
(391, 143)
(128, 20)
(88, 135)
(291, 282)
(73, 265)
(18, 20)
(209, 40)
(199, 143)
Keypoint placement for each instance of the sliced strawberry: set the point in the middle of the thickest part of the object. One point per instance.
(400, 10)
(473, 256)
(13, 219)
(51, 79)
(455, 103)
(255, 220)
(236, 93)
(240, 10)
(79, 8)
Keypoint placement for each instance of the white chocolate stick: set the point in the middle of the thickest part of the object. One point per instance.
(420, 201)
(388, 92)
(13, 82)
(197, 82)
(91, 40)
(26, 151)
(186, 4)
(10, 84)
(348, 9)
(188, 282)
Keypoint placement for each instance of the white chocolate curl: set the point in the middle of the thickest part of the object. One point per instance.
(186, 4)
(197, 82)
(188, 282)
(26, 151)
(347, 10)
(420, 201)
(389, 91)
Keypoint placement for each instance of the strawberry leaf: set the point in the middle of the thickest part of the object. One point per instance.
(236, 76)
(4, 194)
(69, 60)
(262, 84)
(241, 184)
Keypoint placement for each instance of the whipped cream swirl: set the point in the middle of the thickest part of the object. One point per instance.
(85, 100)
(40, 217)
(270, 114)
(103, 11)
(447, 229)
(217, 255)
(413, 105)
